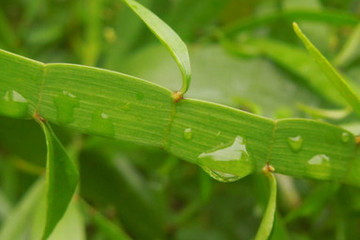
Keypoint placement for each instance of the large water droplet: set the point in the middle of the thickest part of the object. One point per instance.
(319, 166)
(295, 143)
(220, 176)
(13, 104)
(227, 163)
(345, 137)
(65, 103)
(101, 124)
(188, 134)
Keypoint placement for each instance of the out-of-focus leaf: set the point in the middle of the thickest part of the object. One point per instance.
(333, 17)
(71, 225)
(17, 223)
(134, 203)
(350, 50)
(279, 231)
(314, 202)
(267, 222)
(109, 229)
(5, 206)
(292, 59)
(61, 180)
(169, 38)
(7, 35)
(325, 113)
(221, 78)
(128, 29)
(197, 232)
(353, 127)
(194, 15)
(32, 145)
(92, 45)
(335, 78)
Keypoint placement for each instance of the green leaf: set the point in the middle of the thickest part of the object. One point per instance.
(71, 225)
(315, 202)
(350, 50)
(5, 205)
(267, 222)
(109, 229)
(113, 172)
(7, 35)
(332, 17)
(279, 231)
(292, 59)
(335, 78)
(243, 79)
(18, 221)
(61, 180)
(325, 113)
(115, 105)
(169, 38)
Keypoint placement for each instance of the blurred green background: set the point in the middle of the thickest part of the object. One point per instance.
(243, 54)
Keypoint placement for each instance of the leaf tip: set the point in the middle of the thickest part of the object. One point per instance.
(296, 28)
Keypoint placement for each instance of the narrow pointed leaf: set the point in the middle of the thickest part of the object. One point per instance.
(61, 180)
(119, 106)
(325, 113)
(335, 78)
(18, 221)
(332, 17)
(267, 222)
(350, 50)
(71, 225)
(107, 227)
(168, 37)
(293, 59)
(315, 202)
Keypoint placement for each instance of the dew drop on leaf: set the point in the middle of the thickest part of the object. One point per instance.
(188, 134)
(319, 166)
(65, 103)
(345, 137)
(295, 143)
(101, 124)
(220, 176)
(13, 104)
(227, 163)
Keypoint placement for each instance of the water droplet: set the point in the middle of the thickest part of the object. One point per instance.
(345, 137)
(188, 133)
(319, 166)
(220, 176)
(227, 163)
(295, 143)
(139, 96)
(101, 124)
(65, 103)
(13, 104)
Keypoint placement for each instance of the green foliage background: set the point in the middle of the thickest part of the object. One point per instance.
(243, 54)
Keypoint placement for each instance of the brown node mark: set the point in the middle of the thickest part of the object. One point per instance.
(268, 169)
(38, 117)
(357, 140)
(177, 96)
